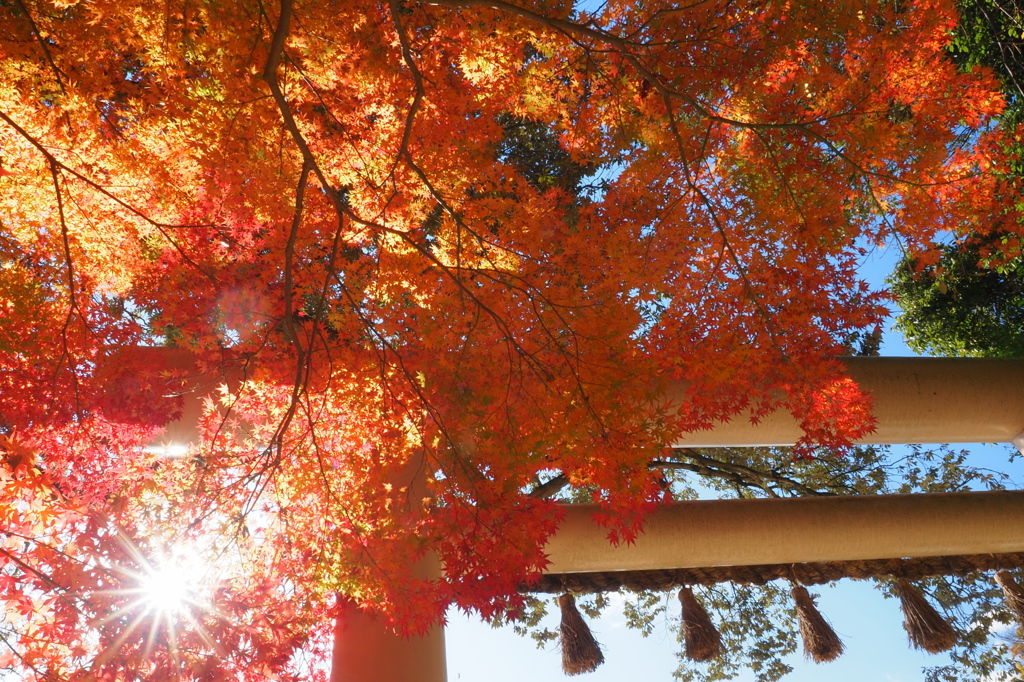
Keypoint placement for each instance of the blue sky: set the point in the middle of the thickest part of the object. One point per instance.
(869, 624)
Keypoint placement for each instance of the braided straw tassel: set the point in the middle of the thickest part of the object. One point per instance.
(580, 651)
(821, 643)
(925, 627)
(700, 637)
(1013, 593)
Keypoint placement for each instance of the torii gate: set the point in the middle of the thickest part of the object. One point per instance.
(917, 400)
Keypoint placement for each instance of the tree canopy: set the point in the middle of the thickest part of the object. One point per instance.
(968, 302)
(961, 306)
(324, 200)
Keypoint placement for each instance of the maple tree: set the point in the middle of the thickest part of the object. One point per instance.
(320, 200)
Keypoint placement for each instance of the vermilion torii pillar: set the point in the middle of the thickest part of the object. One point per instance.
(917, 400)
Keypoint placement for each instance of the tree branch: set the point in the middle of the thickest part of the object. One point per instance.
(737, 473)
(550, 488)
(707, 467)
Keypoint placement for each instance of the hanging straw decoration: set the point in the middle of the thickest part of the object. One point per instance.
(925, 627)
(580, 651)
(1014, 595)
(821, 643)
(700, 638)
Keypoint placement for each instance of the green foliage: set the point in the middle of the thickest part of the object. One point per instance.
(961, 308)
(535, 152)
(756, 624)
(989, 35)
(864, 343)
(977, 608)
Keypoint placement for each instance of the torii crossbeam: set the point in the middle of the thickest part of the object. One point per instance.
(917, 400)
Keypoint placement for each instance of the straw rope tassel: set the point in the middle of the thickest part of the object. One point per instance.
(700, 637)
(926, 628)
(1014, 595)
(580, 651)
(821, 643)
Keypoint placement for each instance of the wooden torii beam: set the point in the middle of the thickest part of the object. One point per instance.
(796, 530)
(917, 400)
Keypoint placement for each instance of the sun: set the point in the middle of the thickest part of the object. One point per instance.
(168, 589)
(164, 601)
(171, 587)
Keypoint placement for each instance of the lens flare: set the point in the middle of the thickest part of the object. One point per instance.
(167, 590)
